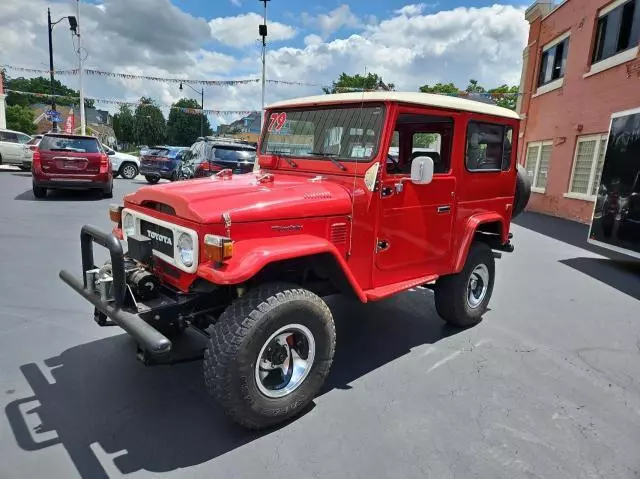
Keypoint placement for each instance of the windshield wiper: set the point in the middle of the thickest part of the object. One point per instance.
(330, 157)
(292, 163)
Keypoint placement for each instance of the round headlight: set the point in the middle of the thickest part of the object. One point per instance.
(185, 249)
(128, 225)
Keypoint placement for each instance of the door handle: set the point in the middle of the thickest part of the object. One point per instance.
(444, 209)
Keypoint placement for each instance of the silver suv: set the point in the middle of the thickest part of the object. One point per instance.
(14, 149)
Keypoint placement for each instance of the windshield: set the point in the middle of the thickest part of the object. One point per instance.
(349, 133)
(70, 143)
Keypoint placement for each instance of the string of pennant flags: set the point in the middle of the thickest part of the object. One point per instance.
(131, 76)
(114, 101)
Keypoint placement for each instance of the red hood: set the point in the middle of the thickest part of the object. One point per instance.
(245, 199)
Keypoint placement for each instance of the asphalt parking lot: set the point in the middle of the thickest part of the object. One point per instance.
(546, 386)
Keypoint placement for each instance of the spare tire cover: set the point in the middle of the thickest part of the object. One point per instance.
(523, 191)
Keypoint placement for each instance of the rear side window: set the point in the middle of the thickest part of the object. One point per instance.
(488, 147)
(34, 141)
(233, 154)
(69, 143)
(9, 136)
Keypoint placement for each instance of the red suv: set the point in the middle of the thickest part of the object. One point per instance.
(64, 161)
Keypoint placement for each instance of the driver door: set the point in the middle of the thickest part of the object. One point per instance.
(415, 221)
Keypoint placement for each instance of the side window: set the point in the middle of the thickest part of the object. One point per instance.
(24, 139)
(617, 30)
(9, 137)
(488, 147)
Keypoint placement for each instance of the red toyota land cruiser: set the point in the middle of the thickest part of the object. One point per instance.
(245, 259)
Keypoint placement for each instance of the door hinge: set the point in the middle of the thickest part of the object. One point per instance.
(382, 245)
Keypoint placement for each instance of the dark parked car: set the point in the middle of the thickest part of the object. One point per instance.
(161, 162)
(62, 161)
(209, 155)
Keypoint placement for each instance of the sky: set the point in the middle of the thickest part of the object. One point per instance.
(408, 44)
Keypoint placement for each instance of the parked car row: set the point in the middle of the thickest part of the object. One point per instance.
(206, 156)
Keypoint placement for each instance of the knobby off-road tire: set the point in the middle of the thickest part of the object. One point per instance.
(238, 342)
(456, 302)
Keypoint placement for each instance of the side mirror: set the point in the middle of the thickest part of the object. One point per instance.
(421, 170)
(111, 152)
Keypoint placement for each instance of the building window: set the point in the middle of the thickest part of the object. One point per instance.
(587, 165)
(553, 62)
(537, 164)
(488, 147)
(618, 29)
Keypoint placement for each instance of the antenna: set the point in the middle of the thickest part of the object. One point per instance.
(355, 169)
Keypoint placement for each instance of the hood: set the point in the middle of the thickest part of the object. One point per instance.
(125, 156)
(246, 199)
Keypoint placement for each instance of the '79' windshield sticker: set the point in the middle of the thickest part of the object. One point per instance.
(277, 121)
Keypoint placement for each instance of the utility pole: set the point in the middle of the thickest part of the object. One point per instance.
(262, 30)
(82, 117)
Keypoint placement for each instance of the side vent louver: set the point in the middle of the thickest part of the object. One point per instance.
(339, 233)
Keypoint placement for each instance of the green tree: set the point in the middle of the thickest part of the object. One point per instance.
(149, 123)
(42, 85)
(184, 128)
(346, 83)
(504, 95)
(20, 118)
(124, 125)
(441, 88)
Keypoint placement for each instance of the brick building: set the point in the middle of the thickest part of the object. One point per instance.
(580, 65)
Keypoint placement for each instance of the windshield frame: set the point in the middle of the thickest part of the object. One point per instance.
(377, 142)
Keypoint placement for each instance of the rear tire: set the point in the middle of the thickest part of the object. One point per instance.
(461, 299)
(108, 193)
(270, 329)
(152, 179)
(39, 191)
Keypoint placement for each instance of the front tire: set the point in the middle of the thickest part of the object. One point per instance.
(269, 354)
(128, 171)
(461, 299)
(152, 179)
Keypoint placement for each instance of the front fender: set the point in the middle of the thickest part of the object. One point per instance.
(252, 255)
(469, 231)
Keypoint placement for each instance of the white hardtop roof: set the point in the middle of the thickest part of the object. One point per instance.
(427, 99)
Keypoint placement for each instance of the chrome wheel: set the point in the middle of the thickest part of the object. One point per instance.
(477, 285)
(129, 172)
(285, 360)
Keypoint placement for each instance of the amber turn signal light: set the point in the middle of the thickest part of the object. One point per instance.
(217, 248)
(115, 213)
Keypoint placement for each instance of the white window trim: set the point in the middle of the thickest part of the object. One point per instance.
(612, 6)
(551, 86)
(540, 144)
(599, 138)
(556, 40)
(617, 59)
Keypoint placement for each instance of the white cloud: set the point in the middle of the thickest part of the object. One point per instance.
(242, 30)
(331, 22)
(312, 40)
(237, 3)
(411, 10)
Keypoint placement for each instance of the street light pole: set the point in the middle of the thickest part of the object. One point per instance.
(73, 24)
(262, 30)
(82, 117)
(53, 98)
(201, 105)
